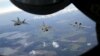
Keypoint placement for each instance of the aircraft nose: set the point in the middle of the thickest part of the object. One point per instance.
(41, 7)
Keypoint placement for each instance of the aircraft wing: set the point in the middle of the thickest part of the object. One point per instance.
(13, 20)
(85, 27)
(49, 27)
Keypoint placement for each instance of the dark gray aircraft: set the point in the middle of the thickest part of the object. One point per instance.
(45, 27)
(79, 25)
(19, 22)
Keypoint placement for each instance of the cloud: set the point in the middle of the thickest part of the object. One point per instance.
(7, 34)
(44, 35)
(19, 35)
(79, 40)
(24, 42)
(61, 21)
(24, 36)
(93, 34)
(89, 44)
(6, 6)
(2, 1)
(8, 9)
(7, 51)
(82, 40)
(55, 44)
(74, 47)
(43, 52)
(71, 34)
(14, 35)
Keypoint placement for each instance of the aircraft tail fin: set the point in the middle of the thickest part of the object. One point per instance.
(24, 21)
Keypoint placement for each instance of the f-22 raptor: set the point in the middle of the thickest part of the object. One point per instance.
(19, 22)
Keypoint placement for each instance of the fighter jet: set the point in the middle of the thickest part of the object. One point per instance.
(75, 24)
(19, 22)
(79, 25)
(45, 27)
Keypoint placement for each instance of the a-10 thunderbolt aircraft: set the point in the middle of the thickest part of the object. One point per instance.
(79, 25)
(45, 27)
